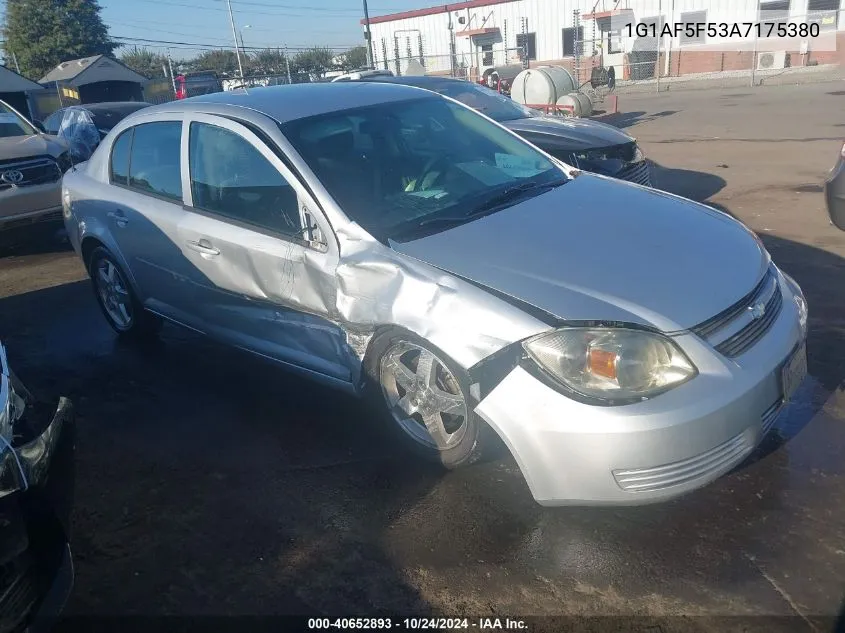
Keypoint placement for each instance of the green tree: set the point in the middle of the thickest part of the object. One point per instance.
(270, 61)
(43, 33)
(314, 61)
(223, 62)
(355, 58)
(144, 61)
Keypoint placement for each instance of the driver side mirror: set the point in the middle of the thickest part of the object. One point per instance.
(311, 232)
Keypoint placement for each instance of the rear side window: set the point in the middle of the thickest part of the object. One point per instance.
(230, 177)
(119, 167)
(154, 165)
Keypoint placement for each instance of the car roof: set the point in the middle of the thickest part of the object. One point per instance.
(298, 101)
(418, 81)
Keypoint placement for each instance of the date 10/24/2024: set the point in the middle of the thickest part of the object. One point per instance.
(421, 623)
(725, 29)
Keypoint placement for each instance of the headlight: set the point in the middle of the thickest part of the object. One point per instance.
(64, 161)
(638, 155)
(611, 365)
(800, 302)
(12, 407)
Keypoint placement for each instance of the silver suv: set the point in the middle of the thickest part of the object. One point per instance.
(31, 168)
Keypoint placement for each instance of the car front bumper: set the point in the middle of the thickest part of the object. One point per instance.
(26, 205)
(36, 569)
(572, 453)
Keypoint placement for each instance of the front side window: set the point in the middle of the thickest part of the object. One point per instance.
(230, 177)
(155, 165)
(12, 125)
(398, 167)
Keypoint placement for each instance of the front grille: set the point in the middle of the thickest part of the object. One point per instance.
(770, 416)
(638, 173)
(743, 340)
(36, 171)
(768, 293)
(684, 471)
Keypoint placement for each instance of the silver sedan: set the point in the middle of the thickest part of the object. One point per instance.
(627, 345)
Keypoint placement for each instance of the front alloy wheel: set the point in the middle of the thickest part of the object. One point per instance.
(422, 396)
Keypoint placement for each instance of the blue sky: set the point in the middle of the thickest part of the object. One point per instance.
(294, 23)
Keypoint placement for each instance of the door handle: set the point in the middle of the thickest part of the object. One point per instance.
(119, 218)
(204, 248)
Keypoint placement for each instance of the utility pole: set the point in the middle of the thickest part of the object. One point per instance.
(287, 64)
(235, 36)
(368, 34)
(170, 65)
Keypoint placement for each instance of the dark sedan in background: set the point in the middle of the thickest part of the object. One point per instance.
(36, 494)
(583, 143)
(84, 126)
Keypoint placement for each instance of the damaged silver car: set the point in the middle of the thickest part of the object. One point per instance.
(627, 345)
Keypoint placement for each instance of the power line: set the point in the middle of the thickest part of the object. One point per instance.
(250, 11)
(198, 46)
(205, 28)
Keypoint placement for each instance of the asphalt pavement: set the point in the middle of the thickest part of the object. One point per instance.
(210, 482)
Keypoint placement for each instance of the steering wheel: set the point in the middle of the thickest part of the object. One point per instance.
(429, 167)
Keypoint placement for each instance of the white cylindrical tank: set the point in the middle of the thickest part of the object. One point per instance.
(571, 102)
(586, 104)
(542, 86)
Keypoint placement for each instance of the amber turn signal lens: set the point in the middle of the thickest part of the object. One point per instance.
(602, 363)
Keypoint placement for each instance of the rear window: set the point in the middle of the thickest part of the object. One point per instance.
(201, 84)
(147, 157)
(107, 119)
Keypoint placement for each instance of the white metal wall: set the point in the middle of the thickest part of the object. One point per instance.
(547, 19)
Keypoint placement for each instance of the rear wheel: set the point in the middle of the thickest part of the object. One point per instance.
(422, 396)
(122, 309)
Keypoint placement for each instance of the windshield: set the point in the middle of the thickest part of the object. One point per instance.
(13, 125)
(489, 102)
(394, 166)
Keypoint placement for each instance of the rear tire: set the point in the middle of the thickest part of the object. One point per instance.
(422, 397)
(121, 307)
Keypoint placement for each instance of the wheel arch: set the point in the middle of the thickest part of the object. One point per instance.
(91, 241)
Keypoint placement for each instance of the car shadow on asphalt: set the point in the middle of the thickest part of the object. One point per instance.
(627, 119)
(210, 482)
(696, 185)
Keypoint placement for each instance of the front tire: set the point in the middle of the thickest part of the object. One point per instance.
(422, 396)
(121, 307)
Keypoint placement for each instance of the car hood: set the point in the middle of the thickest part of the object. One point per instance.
(567, 133)
(600, 249)
(26, 146)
